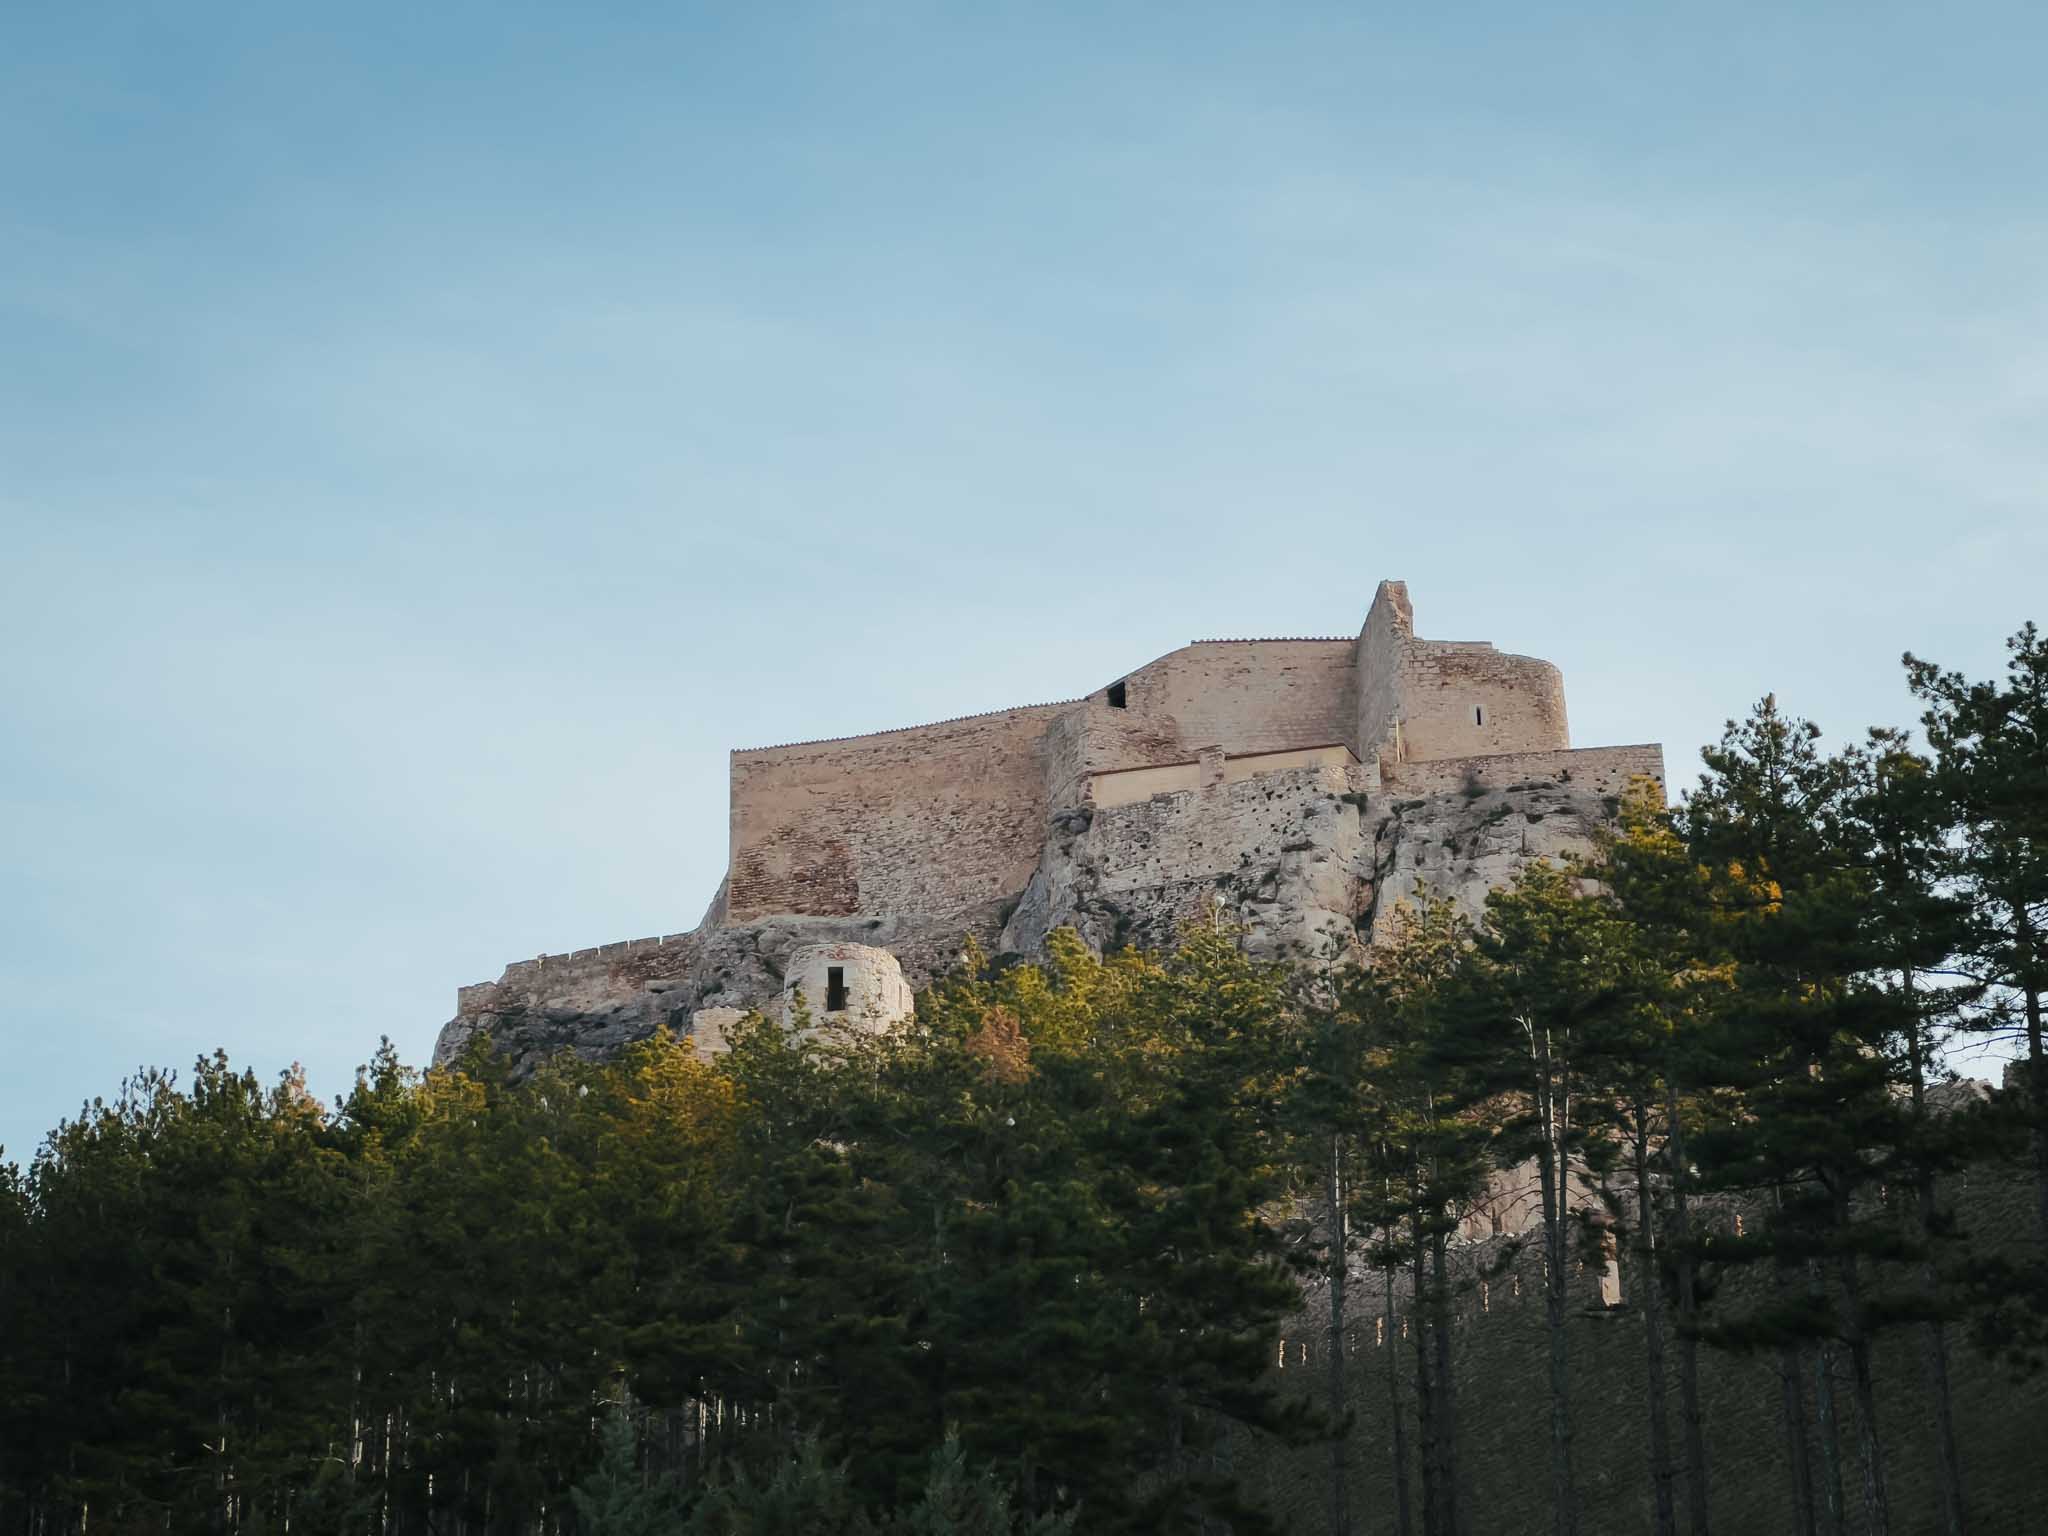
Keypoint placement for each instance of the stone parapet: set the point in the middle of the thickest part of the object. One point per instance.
(1593, 770)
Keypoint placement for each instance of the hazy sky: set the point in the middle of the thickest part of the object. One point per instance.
(431, 436)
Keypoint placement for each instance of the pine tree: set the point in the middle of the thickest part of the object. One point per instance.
(614, 1498)
(1441, 1121)
(1550, 973)
(1916, 924)
(1812, 1031)
(959, 1503)
(1659, 1081)
(1337, 1110)
(1990, 745)
(802, 1491)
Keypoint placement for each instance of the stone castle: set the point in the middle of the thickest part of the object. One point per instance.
(1301, 786)
(1305, 787)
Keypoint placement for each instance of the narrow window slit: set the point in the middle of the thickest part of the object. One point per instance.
(1478, 715)
(835, 989)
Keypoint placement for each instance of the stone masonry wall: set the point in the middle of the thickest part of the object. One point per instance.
(927, 820)
(1376, 665)
(1066, 768)
(1599, 770)
(585, 972)
(1129, 785)
(877, 995)
(1421, 700)
(1244, 696)
(938, 817)
(1463, 699)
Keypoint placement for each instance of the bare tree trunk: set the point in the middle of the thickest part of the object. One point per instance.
(1446, 1388)
(1651, 1286)
(1954, 1509)
(222, 1468)
(1425, 1394)
(2037, 1079)
(1792, 1403)
(1340, 1438)
(1830, 1436)
(1948, 1465)
(1554, 1180)
(1688, 1321)
(1403, 1520)
(1877, 1515)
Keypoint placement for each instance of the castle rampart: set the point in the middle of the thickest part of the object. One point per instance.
(1122, 786)
(1308, 785)
(1603, 771)
(1246, 697)
(927, 820)
(939, 818)
(1424, 700)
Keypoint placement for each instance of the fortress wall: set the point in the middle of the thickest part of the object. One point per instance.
(1377, 656)
(1335, 756)
(1592, 770)
(602, 970)
(1460, 699)
(1066, 750)
(1423, 700)
(920, 821)
(1244, 696)
(1128, 785)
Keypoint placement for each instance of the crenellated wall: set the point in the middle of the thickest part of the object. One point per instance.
(581, 970)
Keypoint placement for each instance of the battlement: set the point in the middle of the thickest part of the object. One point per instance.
(547, 970)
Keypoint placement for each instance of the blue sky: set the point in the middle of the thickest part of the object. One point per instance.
(430, 437)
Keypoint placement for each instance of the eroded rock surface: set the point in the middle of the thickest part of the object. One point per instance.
(1307, 859)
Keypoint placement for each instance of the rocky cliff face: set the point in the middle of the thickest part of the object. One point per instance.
(1311, 859)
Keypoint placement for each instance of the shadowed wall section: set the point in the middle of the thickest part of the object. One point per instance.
(923, 821)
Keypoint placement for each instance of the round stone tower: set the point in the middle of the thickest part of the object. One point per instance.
(846, 986)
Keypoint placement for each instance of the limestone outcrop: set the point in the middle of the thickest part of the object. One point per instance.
(1301, 788)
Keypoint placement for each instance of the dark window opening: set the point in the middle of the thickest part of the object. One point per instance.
(1478, 715)
(1116, 696)
(835, 989)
